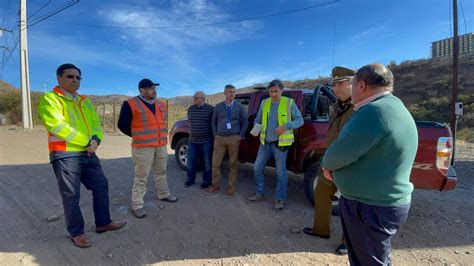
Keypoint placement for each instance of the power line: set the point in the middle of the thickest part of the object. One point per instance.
(8, 7)
(12, 47)
(52, 13)
(199, 25)
(4, 20)
(39, 9)
(15, 42)
(9, 50)
(6, 13)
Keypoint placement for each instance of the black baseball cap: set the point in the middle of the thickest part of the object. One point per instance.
(145, 83)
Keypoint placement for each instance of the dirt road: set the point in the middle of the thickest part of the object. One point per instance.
(201, 229)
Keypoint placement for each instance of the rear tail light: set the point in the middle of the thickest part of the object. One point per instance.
(443, 154)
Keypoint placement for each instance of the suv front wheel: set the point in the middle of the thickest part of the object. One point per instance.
(310, 180)
(181, 153)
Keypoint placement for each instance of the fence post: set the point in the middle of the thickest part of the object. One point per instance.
(115, 124)
(103, 116)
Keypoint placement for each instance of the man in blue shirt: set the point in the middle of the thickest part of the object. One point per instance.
(229, 124)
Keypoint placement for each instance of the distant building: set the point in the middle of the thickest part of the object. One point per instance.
(444, 48)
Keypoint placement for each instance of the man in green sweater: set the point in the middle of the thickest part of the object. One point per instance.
(370, 163)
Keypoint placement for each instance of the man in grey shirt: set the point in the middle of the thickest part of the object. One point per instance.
(229, 124)
(278, 116)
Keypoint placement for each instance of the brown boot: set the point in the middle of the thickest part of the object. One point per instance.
(211, 190)
(81, 241)
(230, 192)
(110, 227)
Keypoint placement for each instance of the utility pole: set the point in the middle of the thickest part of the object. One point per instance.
(454, 97)
(24, 72)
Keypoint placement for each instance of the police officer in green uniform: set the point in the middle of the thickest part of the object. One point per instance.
(325, 189)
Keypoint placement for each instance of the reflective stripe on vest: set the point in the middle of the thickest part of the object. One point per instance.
(72, 120)
(148, 129)
(284, 116)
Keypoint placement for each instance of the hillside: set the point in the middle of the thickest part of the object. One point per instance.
(108, 99)
(6, 87)
(416, 82)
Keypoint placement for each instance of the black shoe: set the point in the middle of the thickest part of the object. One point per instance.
(188, 183)
(205, 185)
(309, 231)
(341, 249)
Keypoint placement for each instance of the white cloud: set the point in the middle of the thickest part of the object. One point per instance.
(72, 49)
(377, 32)
(252, 78)
(175, 50)
(181, 14)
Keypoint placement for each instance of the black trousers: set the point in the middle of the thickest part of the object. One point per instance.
(369, 229)
(70, 173)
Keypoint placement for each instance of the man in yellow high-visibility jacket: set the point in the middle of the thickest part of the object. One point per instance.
(278, 116)
(74, 134)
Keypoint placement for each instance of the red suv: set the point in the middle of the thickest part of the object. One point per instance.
(431, 170)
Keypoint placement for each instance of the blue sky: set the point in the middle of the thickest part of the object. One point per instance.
(292, 46)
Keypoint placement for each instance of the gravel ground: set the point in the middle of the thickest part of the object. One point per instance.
(200, 229)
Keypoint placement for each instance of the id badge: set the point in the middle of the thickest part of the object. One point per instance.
(229, 126)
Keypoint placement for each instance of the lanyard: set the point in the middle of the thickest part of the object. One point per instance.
(229, 111)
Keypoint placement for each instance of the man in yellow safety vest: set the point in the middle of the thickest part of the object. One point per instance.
(74, 134)
(278, 117)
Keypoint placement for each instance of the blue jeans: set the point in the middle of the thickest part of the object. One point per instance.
(265, 152)
(70, 173)
(368, 230)
(204, 152)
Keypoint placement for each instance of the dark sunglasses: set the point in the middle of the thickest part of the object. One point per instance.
(73, 76)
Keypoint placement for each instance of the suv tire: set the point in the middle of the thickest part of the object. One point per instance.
(310, 180)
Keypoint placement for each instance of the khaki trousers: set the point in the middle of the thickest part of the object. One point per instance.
(221, 145)
(323, 195)
(145, 160)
